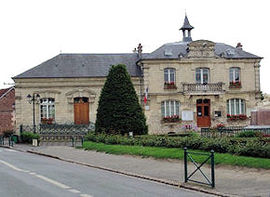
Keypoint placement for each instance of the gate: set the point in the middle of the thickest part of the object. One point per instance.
(188, 155)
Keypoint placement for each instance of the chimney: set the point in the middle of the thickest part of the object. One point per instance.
(138, 50)
(239, 46)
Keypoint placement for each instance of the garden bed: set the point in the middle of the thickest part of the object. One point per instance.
(255, 147)
(176, 153)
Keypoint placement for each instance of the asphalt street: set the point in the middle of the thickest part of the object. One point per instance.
(25, 175)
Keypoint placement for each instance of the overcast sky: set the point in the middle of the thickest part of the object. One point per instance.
(33, 31)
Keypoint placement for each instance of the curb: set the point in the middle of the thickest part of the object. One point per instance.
(163, 181)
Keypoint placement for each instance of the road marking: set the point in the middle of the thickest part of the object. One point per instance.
(74, 191)
(56, 183)
(9, 150)
(85, 195)
(12, 166)
(63, 186)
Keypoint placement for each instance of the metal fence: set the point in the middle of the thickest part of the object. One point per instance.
(4, 141)
(232, 131)
(59, 132)
(188, 177)
(221, 132)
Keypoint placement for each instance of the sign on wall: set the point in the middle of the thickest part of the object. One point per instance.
(187, 115)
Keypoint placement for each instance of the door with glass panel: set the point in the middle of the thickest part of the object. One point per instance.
(203, 113)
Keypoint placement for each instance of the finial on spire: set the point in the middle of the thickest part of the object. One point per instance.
(186, 29)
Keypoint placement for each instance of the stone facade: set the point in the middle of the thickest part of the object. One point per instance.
(63, 90)
(185, 74)
(178, 76)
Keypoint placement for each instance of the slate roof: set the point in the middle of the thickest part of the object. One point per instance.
(82, 65)
(186, 24)
(98, 65)
(175, 49)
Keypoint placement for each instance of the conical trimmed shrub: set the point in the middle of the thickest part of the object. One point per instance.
(119, 111)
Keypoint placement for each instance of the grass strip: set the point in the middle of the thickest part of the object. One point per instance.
(176, 153)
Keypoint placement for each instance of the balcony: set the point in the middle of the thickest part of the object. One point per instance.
(203, 89)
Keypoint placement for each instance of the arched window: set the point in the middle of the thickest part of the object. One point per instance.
(169, 76)
(202, 75)
(47, 110)
(236, 107)
(170, 108)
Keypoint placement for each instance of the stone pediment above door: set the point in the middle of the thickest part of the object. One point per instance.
(81, 93)
(201, 49)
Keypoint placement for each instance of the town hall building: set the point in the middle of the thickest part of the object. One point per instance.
(189, 85)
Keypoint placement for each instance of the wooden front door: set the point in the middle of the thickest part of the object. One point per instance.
(203, 113)
(81, 110)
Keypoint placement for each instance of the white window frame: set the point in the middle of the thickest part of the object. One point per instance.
(170, 112)
(168, 72)
(201, 71)
(232, 106)
(234, 71)
(48, 104)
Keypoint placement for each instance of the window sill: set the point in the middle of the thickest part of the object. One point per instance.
(170, 87)
(170, 121)
(235, 87)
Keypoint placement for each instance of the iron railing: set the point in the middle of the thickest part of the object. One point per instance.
(188, 156)
(60, 132)
(4, 140)
(209, 88)
(232, 131)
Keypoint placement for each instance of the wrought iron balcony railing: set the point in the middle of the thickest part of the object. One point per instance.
(202, 89)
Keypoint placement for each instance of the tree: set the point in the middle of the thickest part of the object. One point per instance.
(119, 111)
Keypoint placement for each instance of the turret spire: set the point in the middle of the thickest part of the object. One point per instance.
(186, 29)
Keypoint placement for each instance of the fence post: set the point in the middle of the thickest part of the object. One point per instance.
(213, 168)
(82, 140)
(185, 163)
(72, 140)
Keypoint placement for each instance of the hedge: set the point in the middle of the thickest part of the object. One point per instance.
(27, 137)
(255, 147)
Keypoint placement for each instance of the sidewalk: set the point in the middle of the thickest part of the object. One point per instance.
(232, 181)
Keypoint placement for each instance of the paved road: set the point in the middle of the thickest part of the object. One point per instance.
(24, 175)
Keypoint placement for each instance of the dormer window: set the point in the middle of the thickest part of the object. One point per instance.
(202, 75)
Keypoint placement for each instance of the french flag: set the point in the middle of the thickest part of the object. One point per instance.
(145, 95)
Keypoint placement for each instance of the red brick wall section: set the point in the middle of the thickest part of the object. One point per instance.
(7, 108)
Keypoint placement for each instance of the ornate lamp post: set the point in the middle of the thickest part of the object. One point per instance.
(34, 99)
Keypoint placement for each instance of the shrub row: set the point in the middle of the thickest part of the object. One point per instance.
(241, 146)
(27, 137)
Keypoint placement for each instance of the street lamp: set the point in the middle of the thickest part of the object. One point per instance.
(34, 99)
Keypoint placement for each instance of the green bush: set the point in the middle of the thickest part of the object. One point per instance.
(247, 134)
(27, 137)
(255, 147)
(119, 110)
